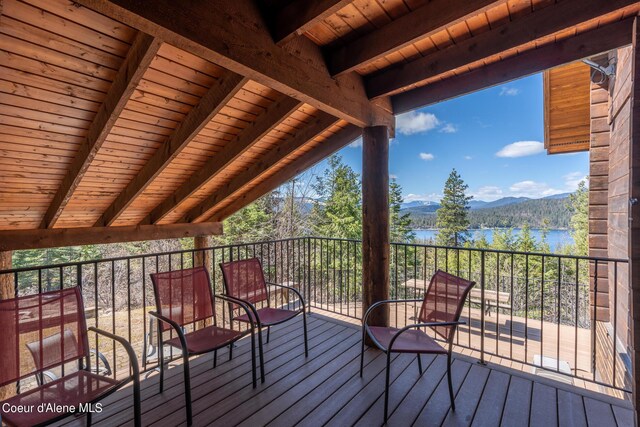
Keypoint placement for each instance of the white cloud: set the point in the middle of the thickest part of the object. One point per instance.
(533, 189)
(488, 193)
(571, 180)
(521, 149)
(427, 156)
(356, 144)
(509, 91)
(416, 122)
(448, 128)
(468, 157)
(433, 197)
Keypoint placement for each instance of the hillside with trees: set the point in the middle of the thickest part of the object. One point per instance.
(538, 213)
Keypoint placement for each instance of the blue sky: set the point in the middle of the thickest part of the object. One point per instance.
(493, 138)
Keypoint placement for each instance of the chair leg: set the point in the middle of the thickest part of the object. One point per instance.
(215, 358)
(304, 325)
(187, 387)
(453, 404)
(261, 352)
(88, 419)
(253, 358)
(362, 352)
(419, 363)
(161, 361)
(386, 388)
(230, 351)
(268, 333)
(137, 408)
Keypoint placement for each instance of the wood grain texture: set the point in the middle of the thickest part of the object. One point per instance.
(138, 59)
(211, 103)
(60, 237)
(518, 32)
(375, 222)
(548, 56)
(422, 23)
(234, 35)
(300, 15)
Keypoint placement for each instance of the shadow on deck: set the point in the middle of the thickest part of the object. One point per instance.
(325, 389)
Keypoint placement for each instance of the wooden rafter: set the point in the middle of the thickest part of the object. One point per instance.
(328, 147)
(275, 114)
(269, 160)
(60, 237)
(572, 49)
(210, 104)
(300, 15)
(142, 51)
(435, 16)
(546, 21)
(234, 35)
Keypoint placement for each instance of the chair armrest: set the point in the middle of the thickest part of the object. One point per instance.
(421, 325)
(133, 360)
(175, 326)
(292, 289)
(246, 306)
(388, 301)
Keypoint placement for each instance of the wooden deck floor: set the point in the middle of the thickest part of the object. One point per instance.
(325, 389)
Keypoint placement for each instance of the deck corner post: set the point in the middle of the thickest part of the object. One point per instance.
(375, 222)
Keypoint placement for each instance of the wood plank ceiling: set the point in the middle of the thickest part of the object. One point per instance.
(114, 114)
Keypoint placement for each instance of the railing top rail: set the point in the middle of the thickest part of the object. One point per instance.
(150, 255)
(501, 251)
(263, 242)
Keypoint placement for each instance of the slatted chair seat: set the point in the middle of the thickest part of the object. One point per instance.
(440, 311)
(206, 339)
(46, 331)
(412, 341)
(244, 281)
(77, 388)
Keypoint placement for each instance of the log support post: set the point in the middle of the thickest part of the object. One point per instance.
(375, 221)
(202, 258)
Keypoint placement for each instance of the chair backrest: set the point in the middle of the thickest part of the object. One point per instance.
(184, 296)
(245, 280)
(444, 301)
(51, 325)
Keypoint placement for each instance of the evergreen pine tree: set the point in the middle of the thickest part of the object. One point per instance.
(579, 223)
(452, 220)
(338, 212)
(400, 223)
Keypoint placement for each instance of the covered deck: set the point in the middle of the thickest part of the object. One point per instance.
(325, 389)
(122, 122)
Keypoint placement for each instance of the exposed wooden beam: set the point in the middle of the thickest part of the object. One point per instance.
(328, 147)
(546, 21)
(276, 113)
(425, 21)
(142, 51)
(530, 62)
(282, 150)
(59, 237)
(210, 104)
(233, 34)
(300, 15)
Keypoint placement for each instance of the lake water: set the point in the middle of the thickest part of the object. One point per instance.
(555, 238)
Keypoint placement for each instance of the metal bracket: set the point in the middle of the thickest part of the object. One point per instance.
(633, 201)
(606, 72)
